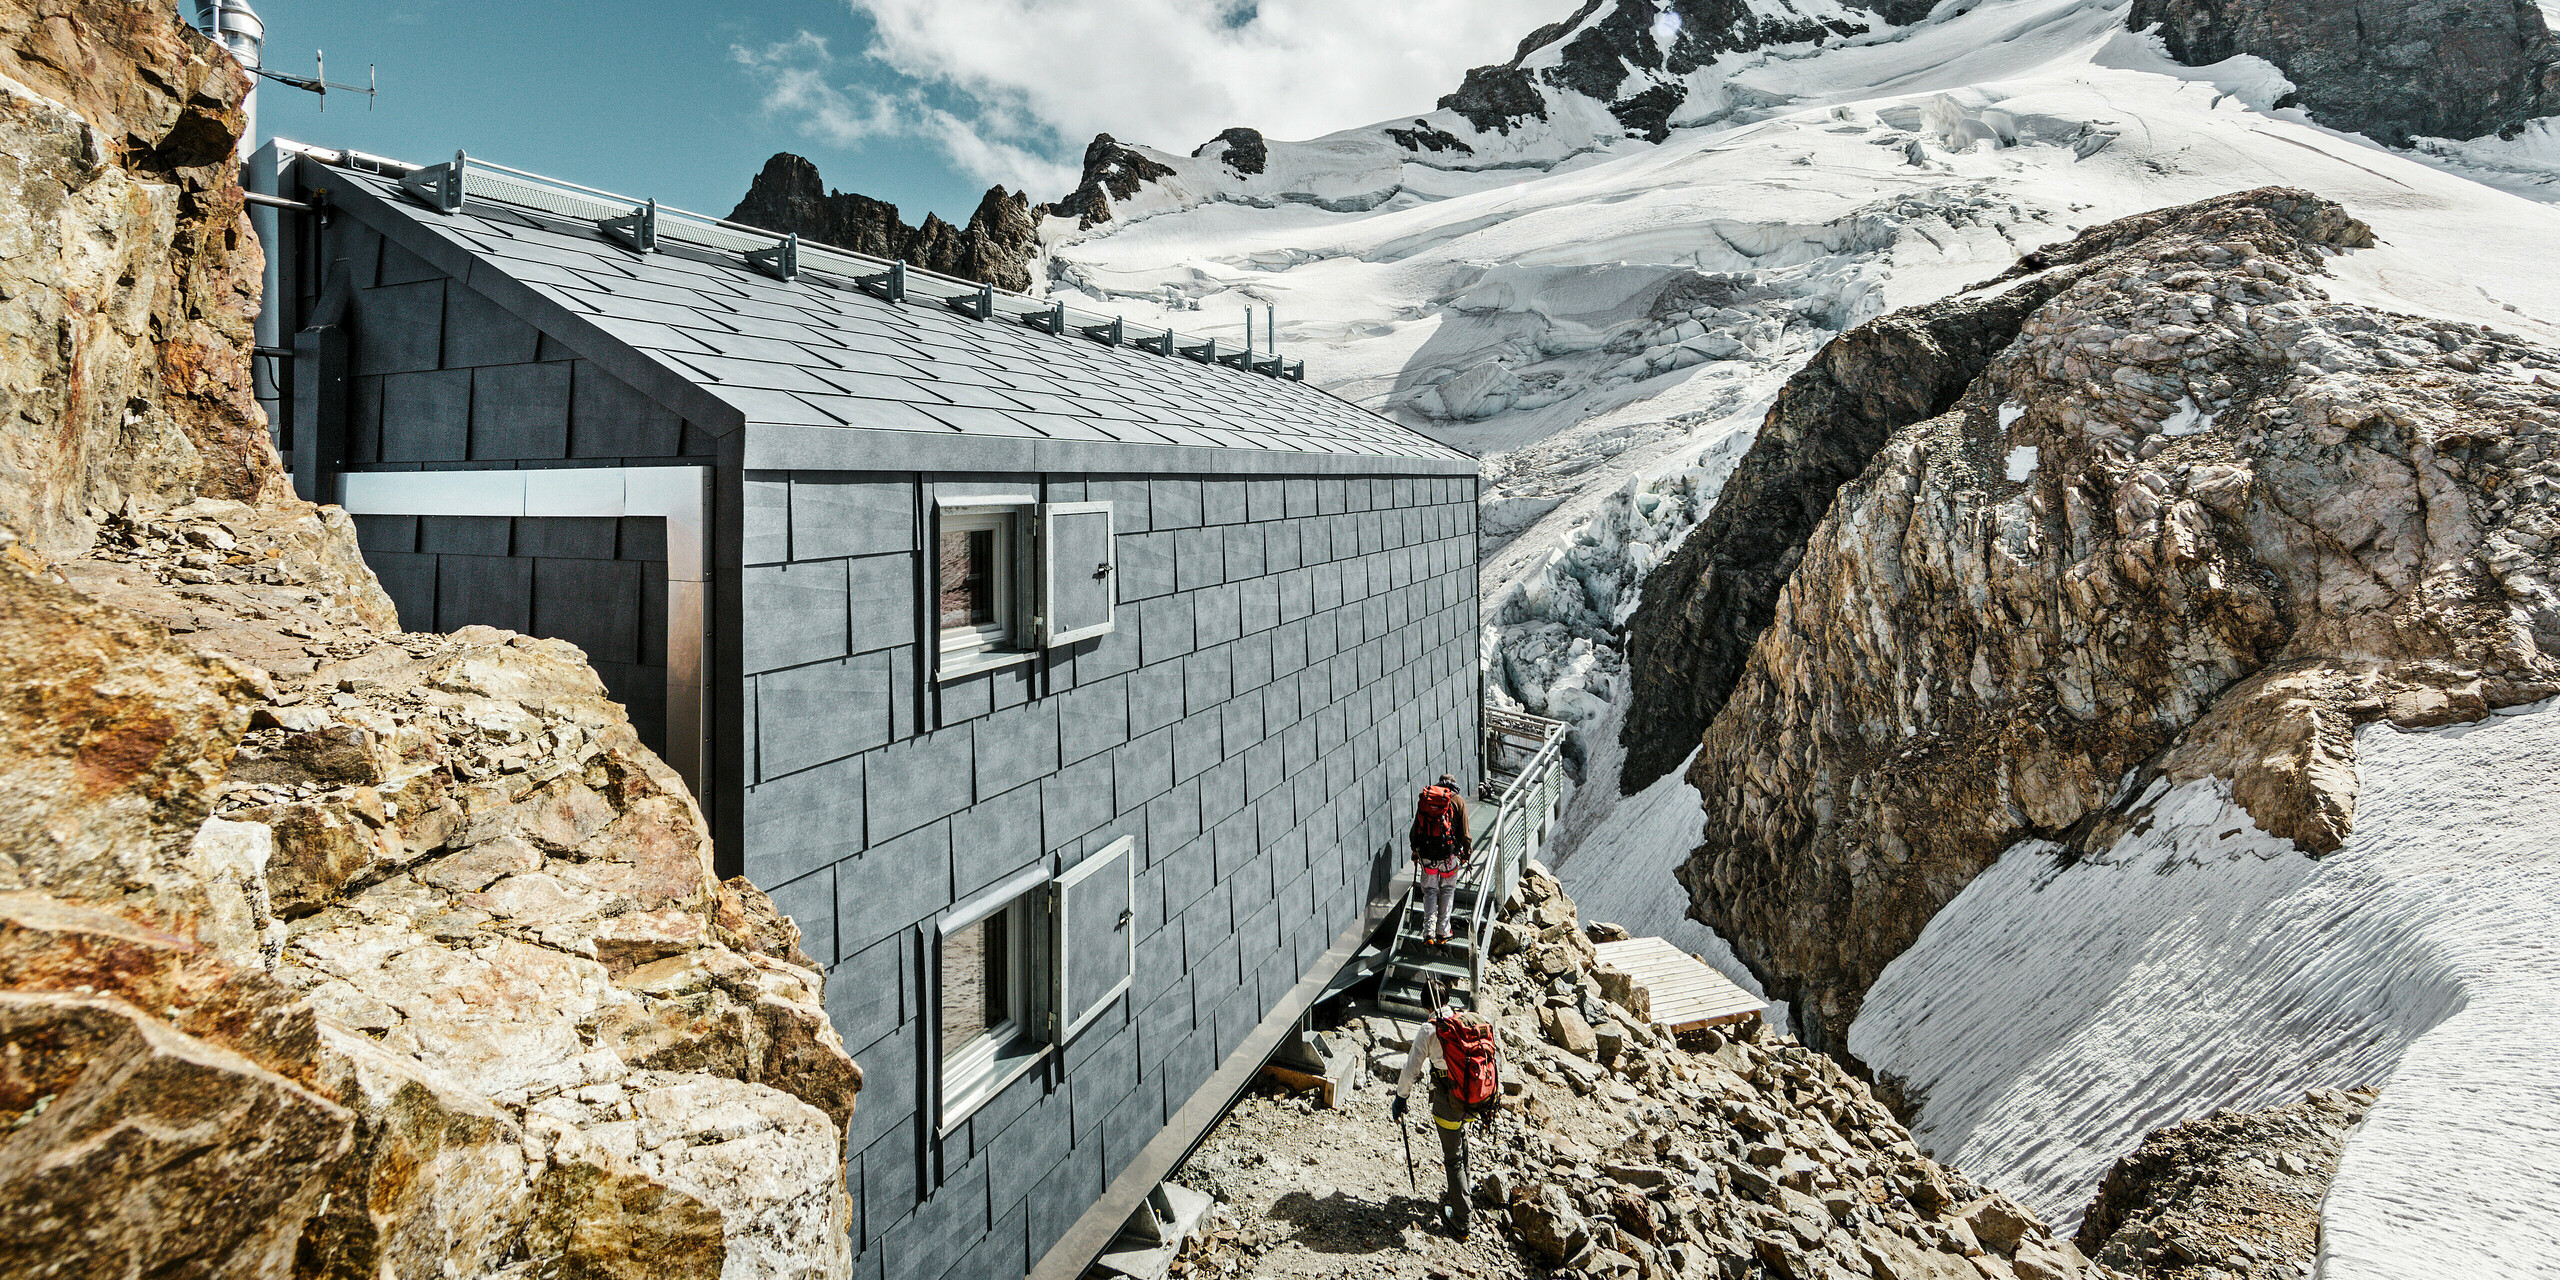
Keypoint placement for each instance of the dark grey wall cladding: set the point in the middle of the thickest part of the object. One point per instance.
(599, 583)
(442, 375)
(1293, 660)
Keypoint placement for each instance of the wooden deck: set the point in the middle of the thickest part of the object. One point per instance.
(1687, 995)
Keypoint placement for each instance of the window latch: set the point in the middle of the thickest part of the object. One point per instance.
(1125, 916)
(1102, 570)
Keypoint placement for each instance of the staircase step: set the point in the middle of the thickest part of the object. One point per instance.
(1436, 968)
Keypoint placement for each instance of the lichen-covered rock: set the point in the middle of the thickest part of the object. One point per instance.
(2197, 520)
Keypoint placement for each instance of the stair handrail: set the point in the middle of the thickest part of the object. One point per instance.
(1525, 803)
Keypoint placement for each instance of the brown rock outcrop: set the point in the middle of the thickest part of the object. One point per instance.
(325, 950)
(128, 275)
(2195, 521)
(2233, 1194)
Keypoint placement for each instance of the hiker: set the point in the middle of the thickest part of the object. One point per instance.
(1441, 844)
(1458, 1044)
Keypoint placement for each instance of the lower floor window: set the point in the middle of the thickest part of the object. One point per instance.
(992, 1021)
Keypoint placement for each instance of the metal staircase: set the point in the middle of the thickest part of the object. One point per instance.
(1524, 777)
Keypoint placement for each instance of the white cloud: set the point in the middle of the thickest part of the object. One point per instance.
(1041, 77)
(799, 76)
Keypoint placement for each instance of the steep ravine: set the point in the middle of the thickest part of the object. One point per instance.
(326, 950)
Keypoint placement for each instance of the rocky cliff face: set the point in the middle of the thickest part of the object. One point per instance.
(128, 278)
(2387, 68)
(325, 950)
(2195, 520)
(995, 247)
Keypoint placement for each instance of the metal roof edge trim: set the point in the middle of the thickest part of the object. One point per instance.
(487, 277)
(778, 447)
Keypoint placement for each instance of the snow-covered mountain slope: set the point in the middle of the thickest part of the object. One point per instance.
(2052, 1015)
(1607, 319)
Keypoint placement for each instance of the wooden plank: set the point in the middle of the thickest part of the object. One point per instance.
(1300, 1082)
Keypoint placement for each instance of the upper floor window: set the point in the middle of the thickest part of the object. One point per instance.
(976, 571)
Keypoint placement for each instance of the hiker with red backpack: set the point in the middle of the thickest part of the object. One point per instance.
(1441, 845)
(1458, 1046)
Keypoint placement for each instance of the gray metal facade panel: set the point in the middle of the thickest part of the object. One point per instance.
(1240, 759)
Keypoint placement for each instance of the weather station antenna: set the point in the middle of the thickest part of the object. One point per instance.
(236, 27)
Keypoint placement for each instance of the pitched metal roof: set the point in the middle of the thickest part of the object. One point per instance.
(820, 351)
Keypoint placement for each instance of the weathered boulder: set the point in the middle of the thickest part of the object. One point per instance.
(131, 1148)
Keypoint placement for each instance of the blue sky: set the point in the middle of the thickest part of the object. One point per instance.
(923, 103)
(644, 99)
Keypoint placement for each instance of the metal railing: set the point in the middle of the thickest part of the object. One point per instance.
(643, 222)
(1523, 816)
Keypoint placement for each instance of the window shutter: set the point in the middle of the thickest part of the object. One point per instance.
(1076, 567)
(1095, 936)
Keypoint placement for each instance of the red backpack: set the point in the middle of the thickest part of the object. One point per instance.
(1435, 824)
(1466, 1050)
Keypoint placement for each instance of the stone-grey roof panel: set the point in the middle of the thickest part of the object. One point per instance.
(785, 352)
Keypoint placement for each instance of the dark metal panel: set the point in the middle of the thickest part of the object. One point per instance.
(466, 535)
(792, 614)
(810, 901)
(488, 590)
(573, 537)
(840, 513)
(608, 418)
(594, 604)
(399, 328)
(995, 838)
(426, 417)
(520, 412)
(808, 820)
(478, 331)
(825, 711)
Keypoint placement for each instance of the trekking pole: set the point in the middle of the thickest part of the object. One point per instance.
(1409, 1177)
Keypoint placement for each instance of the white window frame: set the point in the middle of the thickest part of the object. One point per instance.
(1004, 1053)
(960, 651)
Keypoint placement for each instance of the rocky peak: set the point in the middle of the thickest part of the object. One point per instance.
(1245, 152)
(1111, 172)
(996, 247)
(2445, 69)
(1631, 56)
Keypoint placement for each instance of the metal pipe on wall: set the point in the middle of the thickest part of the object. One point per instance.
(236, 27)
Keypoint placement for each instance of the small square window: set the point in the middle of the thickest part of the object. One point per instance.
(977, 578)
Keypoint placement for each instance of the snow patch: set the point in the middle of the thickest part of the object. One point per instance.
(1620, 872)
(2189, 419)
(2022, 463)
(2052, 1015)
(2009, 415)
